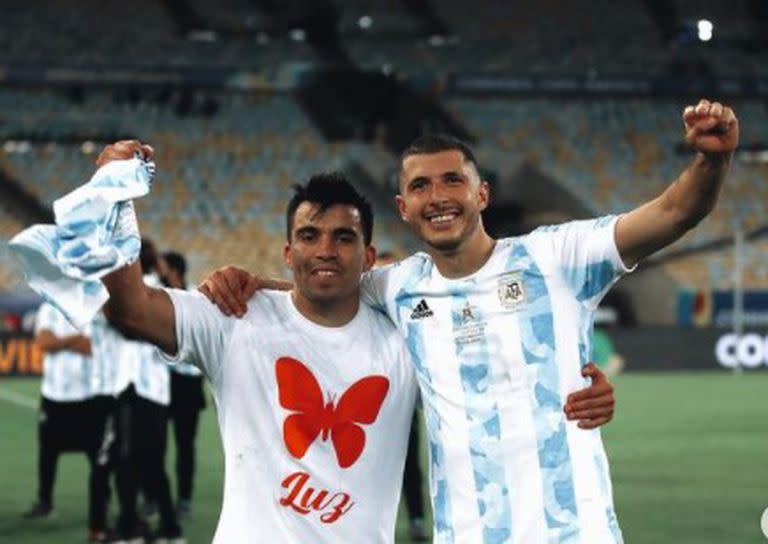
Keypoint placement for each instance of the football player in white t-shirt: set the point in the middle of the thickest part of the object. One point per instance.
(314, 390)
(499, 331)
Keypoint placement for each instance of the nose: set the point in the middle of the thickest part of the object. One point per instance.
(327, 248)
(438, 192)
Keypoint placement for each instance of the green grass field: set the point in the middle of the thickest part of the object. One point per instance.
(688, 457)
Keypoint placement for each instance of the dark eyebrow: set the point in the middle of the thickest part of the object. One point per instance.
(345, 230)
(306, 229)
(419, 178)
(452, 173)
(337, 231)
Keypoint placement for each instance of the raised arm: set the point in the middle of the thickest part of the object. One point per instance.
(137, 310)
(713, 131)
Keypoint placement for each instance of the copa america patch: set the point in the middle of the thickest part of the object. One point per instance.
(511, 290)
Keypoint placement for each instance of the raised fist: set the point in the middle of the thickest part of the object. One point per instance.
(711, 127)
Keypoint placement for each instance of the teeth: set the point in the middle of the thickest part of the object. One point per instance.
(442, 218)
(325, 273)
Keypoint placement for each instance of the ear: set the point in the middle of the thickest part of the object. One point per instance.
(287, 257)
(370, 258)
(400, 201)
(484, 195)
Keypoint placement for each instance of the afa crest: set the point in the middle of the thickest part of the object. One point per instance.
(511, 290)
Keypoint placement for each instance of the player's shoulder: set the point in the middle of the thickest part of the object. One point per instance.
(418, 262)
(548, 237)
(416, 265)
(576, 225)
(378, 320)
(268, 304)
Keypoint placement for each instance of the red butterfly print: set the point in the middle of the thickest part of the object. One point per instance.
(299, 392)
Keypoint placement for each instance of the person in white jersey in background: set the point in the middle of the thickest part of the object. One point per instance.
(141, 385)
(73, 416)
(187, 396)
(499, 331)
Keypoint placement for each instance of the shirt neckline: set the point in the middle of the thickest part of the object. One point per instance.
(497, 249)
(310, 326)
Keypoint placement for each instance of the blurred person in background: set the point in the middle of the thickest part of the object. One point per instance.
(187, 396)
(74, 416)
(142, 388)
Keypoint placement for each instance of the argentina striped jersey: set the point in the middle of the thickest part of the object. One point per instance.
(123, 362)
(66, 373)
(496, 354)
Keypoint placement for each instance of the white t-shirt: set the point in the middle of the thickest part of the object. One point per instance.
(186, 369)
(66, 373)
(496, 354)
(314, 420)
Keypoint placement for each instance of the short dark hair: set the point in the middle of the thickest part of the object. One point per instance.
(148, 256)
(326, 190)
(435, 143)
(176, 261)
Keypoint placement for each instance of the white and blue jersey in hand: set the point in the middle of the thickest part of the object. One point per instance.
(496, 354)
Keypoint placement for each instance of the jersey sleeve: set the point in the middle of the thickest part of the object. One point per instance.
(586, 254)
(202, 332)
(373, 287)
(381, 288)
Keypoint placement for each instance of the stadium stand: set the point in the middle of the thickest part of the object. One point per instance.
(150, 28)
(224, 178)
(600, 37)
(223, 181)
(227, 159)
(594, 38)
(613, 154)
(10, 276)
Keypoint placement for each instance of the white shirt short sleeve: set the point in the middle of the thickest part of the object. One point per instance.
(587, 255)
(202, 332)
(314, 420)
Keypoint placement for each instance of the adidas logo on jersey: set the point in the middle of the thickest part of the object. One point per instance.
(421, 310)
